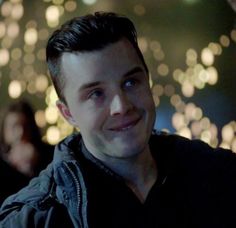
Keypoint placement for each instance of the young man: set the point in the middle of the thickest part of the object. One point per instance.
(117, 172)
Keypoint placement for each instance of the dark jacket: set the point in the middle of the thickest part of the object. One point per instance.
(43, 203)
(58, 197)
(12, 180)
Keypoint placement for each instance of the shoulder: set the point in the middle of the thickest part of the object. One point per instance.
(187, 147)
(193, 154)
(39, 203)
(30, 203)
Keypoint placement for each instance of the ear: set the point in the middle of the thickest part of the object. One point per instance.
(64, 110)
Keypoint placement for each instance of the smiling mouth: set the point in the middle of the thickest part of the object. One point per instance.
(125, 126)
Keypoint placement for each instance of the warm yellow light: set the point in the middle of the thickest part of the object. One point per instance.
(190, 111)
(175, 100)
(224, 145)
(169, 90)
(29, 48)
(41, 55)
(185, 132)
(213, 75)
(2, 29)
(178, 121)
(191, 57)
(139, 9)
(158, 90)
(204, 76)
(214, 131)
(52, 14)
(29, 58)
(225, 41)
(205, 123)
(233, 145)
(64, 127)
(89, 2)
(6, 8)
(177, 73)
(51, 114)
(206, 136)
(7, 42)
(17, 11)
(227, 133)
(31, 87)
(187, 89)
(196, 128)
(233, 35)
(158, 54)
(70, 6)
(191, 54)
(156, 100)
(43, 34)
(163, 69)
(13, 30)
(16, 1)
(41, 83)
(53, 24)
(57, 2)
(207, 57)
(155, 45)
(16, 53)
(4, 57)
(150, 81)
(53, 135)
(28, 71)
(14, 89)
(180, 107)
(51, 97)
(31, 36)
(40, 118)
(143, 44)
(215, 48)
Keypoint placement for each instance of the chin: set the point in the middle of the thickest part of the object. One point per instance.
(130, 150)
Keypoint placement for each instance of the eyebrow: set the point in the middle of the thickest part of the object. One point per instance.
(134, 70)
(89, 85)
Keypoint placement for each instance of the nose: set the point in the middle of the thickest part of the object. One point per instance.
(120, 105)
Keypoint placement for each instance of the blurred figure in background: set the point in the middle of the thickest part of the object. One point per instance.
(232, 4)
(21, 142)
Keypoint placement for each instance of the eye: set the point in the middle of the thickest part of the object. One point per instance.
(95, 94)
(130, 83)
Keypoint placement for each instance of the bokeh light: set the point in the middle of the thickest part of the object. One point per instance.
(23, 71)
(14, 89)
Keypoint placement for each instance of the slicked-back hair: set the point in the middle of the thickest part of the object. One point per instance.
(84, 34)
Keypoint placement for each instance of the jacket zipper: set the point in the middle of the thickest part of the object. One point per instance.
(78, 191)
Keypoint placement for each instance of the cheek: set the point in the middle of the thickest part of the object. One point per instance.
(145, 100)
(8, 134)
(90, 120)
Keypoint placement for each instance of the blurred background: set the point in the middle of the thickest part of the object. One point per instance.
(189, 46)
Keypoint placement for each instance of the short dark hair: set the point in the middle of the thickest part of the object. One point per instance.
(87, 33)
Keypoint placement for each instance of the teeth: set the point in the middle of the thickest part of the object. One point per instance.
(126, 128)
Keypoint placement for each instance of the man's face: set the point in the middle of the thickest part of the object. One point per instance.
(109, 100)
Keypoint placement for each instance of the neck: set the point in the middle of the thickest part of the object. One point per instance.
(140, 173)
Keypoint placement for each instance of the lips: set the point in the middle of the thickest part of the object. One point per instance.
(125, 126)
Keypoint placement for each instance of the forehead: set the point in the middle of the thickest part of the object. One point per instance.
(113, 60)
(13, 118)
